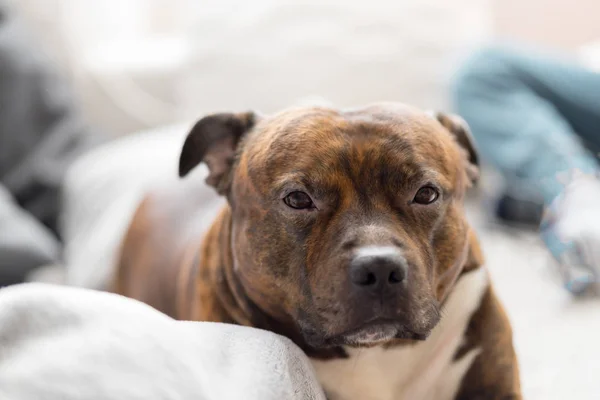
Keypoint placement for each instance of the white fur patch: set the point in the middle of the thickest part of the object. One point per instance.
(376, 251)
(424, 371)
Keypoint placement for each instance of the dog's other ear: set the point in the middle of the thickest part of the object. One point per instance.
(213, 140)
(461, 132)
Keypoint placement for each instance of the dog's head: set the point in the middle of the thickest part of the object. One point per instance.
(347, 224)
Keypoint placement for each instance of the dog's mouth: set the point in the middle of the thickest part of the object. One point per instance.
(374, 333)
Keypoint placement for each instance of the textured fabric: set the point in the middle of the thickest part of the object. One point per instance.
(529, 113)
(59, 343)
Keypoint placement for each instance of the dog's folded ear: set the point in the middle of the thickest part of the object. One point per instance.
(459, 128)
(213, 140)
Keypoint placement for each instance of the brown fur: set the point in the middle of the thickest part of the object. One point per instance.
(362, 168)
(494, 374)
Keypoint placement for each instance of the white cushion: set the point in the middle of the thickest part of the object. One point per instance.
(60, 343)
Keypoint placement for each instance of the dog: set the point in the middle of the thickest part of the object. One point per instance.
(343, 230)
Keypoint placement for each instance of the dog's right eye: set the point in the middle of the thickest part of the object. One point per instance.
(298, 200)
(426, 195)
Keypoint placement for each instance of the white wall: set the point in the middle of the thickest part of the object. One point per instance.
(142, 63)
(566, 24)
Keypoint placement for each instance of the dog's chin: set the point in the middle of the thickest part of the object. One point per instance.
(369, 335)
(374, 334)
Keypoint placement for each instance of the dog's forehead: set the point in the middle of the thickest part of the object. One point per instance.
(312, 124)
(299, 138)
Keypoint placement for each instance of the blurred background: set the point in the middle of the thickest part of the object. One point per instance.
(142, 63)
(143, 70)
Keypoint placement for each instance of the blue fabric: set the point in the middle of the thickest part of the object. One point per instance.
(532, 114)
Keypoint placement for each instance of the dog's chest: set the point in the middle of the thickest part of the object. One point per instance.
(424, 371)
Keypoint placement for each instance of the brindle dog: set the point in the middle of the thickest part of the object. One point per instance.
(344, 231)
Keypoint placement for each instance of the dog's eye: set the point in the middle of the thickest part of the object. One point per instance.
(426, 195)
(298, 200)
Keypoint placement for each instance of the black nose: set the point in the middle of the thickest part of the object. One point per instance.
(378, 273)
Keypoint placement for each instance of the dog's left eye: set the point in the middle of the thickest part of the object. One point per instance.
(298, 200)
(426, 195)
